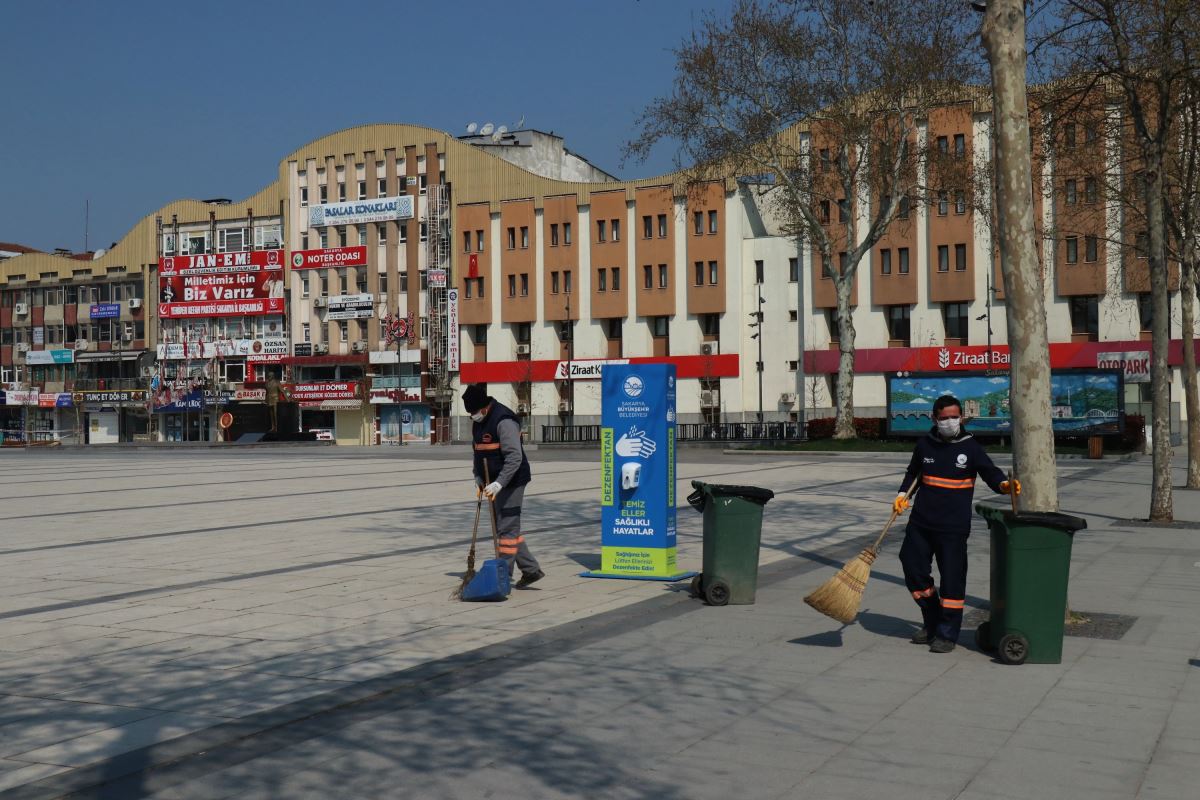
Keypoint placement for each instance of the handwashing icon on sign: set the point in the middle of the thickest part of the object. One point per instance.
(635, 444)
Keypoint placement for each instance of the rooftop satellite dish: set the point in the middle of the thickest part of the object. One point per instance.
(503, 129)
(487, 129)
(472, 127)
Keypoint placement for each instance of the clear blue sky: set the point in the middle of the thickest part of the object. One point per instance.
(132, 104)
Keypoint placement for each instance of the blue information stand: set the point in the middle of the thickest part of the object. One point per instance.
(637, 454)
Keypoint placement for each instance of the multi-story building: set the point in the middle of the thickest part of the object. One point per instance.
(389, 264)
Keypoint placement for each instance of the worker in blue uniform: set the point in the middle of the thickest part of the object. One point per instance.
(946, 460)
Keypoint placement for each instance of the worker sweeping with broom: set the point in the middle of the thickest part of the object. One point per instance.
(946, 460)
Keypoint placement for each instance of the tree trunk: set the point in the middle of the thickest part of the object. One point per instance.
(844, 425)
(1033, 437)
(1161, 503)
(1187, 296)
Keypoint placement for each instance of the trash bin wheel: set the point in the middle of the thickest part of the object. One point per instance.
(1013, 649)
(983, 637)
(698, 586)
(717, 593)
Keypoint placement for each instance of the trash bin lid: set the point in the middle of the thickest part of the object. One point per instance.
(755, 494)
(1046, 519)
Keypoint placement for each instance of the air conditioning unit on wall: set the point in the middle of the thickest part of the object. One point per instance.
(564, 407)
(320, 302)
(135, 303)
(710, 349)
(21, 309)
(320, 349)
(522, 349)
(22, 347)
(358, 347)
(710, 399)
(522, 408)
(82, 344)
(787, 398)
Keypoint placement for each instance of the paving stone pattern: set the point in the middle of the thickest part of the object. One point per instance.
(277, 624)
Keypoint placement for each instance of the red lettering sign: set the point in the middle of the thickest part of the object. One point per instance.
(220, 294)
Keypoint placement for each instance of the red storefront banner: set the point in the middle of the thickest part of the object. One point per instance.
(1063, 355)
(317, 393)
(213, 263)
(719, 366)
(329, 257)
(223, 294)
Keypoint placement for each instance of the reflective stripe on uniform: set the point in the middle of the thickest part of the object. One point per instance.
(952, 604)
(948, 483)
(923, 593)
(492, 446)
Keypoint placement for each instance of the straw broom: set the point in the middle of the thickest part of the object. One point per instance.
(470, 573)
(840, 596)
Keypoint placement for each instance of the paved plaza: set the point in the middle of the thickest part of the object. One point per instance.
(276, 623)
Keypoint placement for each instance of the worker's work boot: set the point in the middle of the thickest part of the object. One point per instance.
(528, 578)
(941, 645)
(921, 636)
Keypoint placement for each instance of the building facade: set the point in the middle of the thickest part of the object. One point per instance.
(387, 265)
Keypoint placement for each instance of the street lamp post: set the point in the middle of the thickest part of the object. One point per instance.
(988, 316)
(758, 321)
(569, 332)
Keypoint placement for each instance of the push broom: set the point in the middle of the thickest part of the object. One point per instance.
(840, 596)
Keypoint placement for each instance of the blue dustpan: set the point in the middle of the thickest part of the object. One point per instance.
(490, 583)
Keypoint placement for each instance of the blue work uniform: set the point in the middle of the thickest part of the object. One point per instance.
(940, 524)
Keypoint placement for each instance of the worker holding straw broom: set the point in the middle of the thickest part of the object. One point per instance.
(947, 460)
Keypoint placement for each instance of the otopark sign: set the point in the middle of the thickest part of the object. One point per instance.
(637, 490)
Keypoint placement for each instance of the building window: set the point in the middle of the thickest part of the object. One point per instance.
(1090, 249)
(905, 207)
(466, 241)
(960, 145)
(403, 282)
(403, 228)
(647, 277)
(381, 190)
(343, 281)
(960, 202)
(758, 271)
(960, 258)
(825, 271)
(825, 162)
(342, 199)
(614, 328)
(324, 238)
(602, 280)
(954, 315)
(843, 210)
(341, 231)
(306, 332)
(303, 285)
(479, 241)
(362, 234)
(479, 287)
(1070, 192)
(554, 282)
(1090, 191)
(698, 222)
(943, 264)
(324, 285)
(524, 237)
(423, 183)
(303, 196)
(943, 203)
(647, 227)
(383, 282)
(710, 324)
(523, 332)
(943, 145)
(512, 238)
(658, 326)
(793, 270)
(662, 226)
(1141, 245)
(843, 262)
(343, 332)
(601, 231)
(1146, 311)
(616, 284)
(512, 285)
(1069, 134)
(467, 288)
(567, 234)
(898, 324)
(713, 273)
(824, 207)
(480, 334)
(885, 262)
(699, 273)
(1072, 249)
(567, 281)
(554, 234)
(362, 190)
(324, 194)
(662, 276)
(524, 284)
(616, 230)
(381, 230)
(1085, 316)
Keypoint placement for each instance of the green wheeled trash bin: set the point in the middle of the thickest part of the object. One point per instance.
(732, 531)
(1031, 565)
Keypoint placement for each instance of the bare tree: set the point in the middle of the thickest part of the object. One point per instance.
(824, 104)
(1033, 437)
(1142, 49)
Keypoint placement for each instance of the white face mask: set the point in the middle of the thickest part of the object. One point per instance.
(477, 416)
(948, 428)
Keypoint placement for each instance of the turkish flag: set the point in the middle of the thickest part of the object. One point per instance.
(473, 265)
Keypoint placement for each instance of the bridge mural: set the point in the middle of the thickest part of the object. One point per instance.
(1083, 402)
